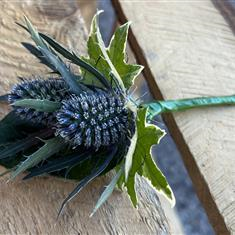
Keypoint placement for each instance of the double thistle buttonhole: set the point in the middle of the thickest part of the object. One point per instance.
(85, 124)
(92, 119)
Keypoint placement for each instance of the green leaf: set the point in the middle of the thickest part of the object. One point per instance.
(61, 67)
(130, 185)
(142, 163)
(105, 55)
(111, 60)
(157, 179)
(100, 65)
(50, 147)
(116, 52)
(108, 191)
(39, 105)
(97, 53)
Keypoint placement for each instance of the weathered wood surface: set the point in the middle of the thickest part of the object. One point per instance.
(189, 49)
(31, 207)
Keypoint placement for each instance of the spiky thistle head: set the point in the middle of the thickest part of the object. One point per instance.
(50, 89)
(95, 119)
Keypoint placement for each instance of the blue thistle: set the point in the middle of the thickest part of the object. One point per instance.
(50, 89)
(94, 119)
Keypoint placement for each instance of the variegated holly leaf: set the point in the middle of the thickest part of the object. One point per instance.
(110, 61)
(142, 162)
(117, 54)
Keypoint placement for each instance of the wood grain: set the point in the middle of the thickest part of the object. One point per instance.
(31, 207)
(188, 50)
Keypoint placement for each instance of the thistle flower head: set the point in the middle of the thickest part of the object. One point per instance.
(94, 120)
(50, 89)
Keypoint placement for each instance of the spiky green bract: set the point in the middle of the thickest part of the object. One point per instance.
(50, 147)
(110, 60)
(73, 80)
(17, 136)
(142, 163)
(39, 105)
(67, 162)
(55, 60)
(34, 34)
(108, 191)
(64, 71)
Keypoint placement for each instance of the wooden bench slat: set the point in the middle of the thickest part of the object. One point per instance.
(32, 206)
(188, 50)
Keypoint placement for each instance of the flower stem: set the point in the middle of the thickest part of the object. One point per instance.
(157, 107)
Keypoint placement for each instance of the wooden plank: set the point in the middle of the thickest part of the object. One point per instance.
(188, 50)
(32, 206)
